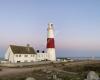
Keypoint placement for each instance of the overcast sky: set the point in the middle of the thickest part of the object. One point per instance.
(76, 23)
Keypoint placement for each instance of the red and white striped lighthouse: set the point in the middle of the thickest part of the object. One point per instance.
(51, 43)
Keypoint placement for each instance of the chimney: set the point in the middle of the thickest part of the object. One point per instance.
(43, 51)
(28, 47)
(38, 51)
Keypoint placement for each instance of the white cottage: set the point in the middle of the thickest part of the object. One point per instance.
(17, 54)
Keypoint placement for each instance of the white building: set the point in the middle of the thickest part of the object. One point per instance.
(17, 54)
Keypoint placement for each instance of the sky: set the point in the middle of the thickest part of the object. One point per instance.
(76, 24)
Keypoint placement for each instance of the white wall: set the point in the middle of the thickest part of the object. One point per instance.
(52, 54)
(9, 55)
(41, 56)
(22, 58)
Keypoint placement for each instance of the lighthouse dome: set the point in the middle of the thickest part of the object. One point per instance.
(50, 25)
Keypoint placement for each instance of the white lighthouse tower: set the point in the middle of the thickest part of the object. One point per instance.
(51, 43)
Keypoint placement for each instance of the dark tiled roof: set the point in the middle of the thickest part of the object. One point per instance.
(22, 49)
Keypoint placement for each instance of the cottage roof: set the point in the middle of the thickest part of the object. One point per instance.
(22, 49)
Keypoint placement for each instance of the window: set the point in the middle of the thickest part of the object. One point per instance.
(32, 55)
(18, 61)
(26, 55)
(41, 55)
(20, 55)
(16, 55)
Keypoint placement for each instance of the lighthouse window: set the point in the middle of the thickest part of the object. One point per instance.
(51, 24)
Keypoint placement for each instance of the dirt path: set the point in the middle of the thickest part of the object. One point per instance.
(14, 71)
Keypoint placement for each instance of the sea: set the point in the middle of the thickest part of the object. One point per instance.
(84, 58)
(81, 58)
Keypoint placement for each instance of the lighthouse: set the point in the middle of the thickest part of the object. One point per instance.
(51, 43)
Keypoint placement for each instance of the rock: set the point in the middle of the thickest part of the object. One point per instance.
(30, 78)
(92, 76)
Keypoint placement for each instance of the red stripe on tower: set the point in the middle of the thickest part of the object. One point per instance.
(50, 43)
